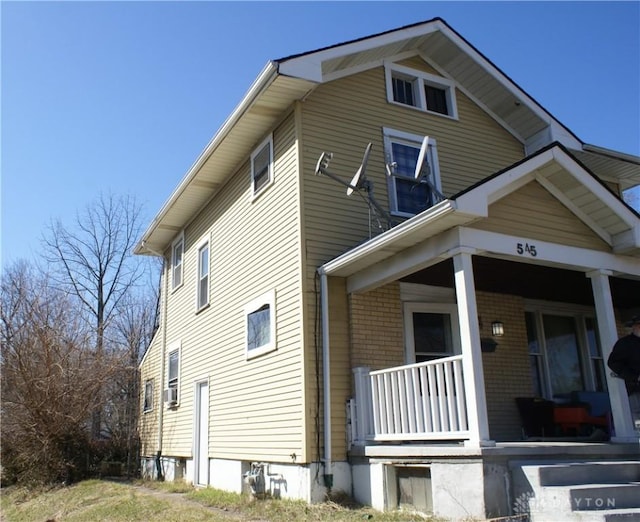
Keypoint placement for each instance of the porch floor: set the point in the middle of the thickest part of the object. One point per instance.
(522, 449)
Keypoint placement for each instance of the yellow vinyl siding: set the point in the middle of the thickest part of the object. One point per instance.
(532, 212)
(148, 424)
(256, 406)
(342, 117)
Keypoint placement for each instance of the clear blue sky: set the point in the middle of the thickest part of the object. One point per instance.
(122, 97)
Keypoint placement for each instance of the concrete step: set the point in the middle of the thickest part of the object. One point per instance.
(603, 491)
(609, 472)
(596, 497)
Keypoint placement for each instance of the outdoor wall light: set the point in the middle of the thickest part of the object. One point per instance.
(497, 328)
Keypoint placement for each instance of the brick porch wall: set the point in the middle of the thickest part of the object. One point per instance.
(377, 341)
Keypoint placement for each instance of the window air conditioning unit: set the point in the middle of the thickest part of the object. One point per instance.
(171, 396)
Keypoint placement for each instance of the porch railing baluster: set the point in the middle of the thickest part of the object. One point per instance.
(423, 401)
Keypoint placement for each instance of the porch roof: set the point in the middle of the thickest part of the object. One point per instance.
(554, 167)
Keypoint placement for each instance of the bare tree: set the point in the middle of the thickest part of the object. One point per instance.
(134, 327)
(93, 261)
(50, 379)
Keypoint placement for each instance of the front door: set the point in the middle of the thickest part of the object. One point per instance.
(201, 435)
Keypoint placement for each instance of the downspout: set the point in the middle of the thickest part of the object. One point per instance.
(326, 377)
(163, 325)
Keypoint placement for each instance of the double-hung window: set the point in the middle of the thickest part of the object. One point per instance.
(177, 253)
(173, 376)
(260, 323)
(262, 166)
(202, 298)
(147, 404)
(408, 196)
(421, 90)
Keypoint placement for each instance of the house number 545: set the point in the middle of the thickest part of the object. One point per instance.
(526, 248)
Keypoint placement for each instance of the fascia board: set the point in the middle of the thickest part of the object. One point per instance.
(477, 200)
(264, 79)
(309, 66)
(591, 183)
(388, 238)
(560, 132)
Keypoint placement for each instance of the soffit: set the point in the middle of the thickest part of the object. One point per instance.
(228, 150)
(625, 171)
(477, 76)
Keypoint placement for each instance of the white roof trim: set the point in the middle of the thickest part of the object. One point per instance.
(474, 204)
(264, 79)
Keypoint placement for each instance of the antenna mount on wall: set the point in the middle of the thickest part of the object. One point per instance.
(358, 184)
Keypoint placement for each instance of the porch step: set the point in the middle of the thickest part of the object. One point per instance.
(602, 491)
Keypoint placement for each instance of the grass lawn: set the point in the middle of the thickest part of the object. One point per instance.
(98, 501)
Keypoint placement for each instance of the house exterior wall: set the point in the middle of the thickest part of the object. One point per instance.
(377, 337)
(534, 213)
(150, 368)
(507, 372)
(256, 406)
(378, 342)
(342, 117)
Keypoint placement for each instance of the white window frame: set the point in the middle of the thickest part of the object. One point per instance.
(578, 313)
(419, 80)
(256, 191)
(266, 299)
(177, 266)
(175, 347)
(148, 396)
(409, 308)
(201, 246)
(414, 140)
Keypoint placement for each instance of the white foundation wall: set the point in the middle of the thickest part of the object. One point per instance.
(227, 474)
(368, 484)
(458, 490)
(292, 481)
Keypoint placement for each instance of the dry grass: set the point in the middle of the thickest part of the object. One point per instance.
(100, 501)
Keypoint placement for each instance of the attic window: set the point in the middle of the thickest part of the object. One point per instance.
(421, 90)
(262, 167)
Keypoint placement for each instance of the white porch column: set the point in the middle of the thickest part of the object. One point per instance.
(608, 336)
(471, 353)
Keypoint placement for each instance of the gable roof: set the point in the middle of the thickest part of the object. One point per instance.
(288, 79)
(553, 167)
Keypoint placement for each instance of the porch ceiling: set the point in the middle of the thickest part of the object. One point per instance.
(530, 281)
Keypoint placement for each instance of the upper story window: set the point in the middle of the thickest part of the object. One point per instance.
(148, 396)
(202, 298)
(408, 196)
(262, 166)
(421, 90)
(260, 320)
(177, 254)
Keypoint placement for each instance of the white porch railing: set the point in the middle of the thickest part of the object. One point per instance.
(424, 401)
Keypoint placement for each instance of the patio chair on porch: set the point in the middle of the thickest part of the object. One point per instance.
(587, 411)
(536, 414)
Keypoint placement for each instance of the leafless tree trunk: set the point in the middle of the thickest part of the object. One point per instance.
(93, 261)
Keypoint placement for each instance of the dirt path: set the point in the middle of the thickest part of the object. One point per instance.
(231, 514)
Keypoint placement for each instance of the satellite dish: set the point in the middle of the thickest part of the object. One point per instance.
(358, 180)
(422, 158)
(323, 162)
